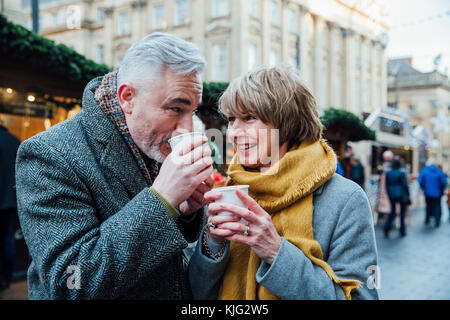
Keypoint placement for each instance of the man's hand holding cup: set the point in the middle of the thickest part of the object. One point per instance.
(186, 174)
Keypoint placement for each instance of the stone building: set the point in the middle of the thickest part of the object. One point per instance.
(338, 45)
(425, 97)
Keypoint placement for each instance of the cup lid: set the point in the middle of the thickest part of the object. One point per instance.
(226, 188)
(185, 134)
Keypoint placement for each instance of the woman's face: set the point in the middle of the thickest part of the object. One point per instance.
(255, 142)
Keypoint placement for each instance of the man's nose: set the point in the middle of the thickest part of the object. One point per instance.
(185, 124)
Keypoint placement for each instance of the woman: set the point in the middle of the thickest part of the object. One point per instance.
(398, 193)
(310, 231)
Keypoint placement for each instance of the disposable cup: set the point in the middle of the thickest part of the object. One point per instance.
(188, 136)
(229, 195)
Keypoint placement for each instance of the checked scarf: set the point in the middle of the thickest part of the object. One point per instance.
(106, 96)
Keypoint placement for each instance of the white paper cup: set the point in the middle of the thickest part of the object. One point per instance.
(229, 195)
(188, 136)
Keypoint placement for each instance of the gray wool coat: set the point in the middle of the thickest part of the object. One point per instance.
(343, 226)
(93, 228)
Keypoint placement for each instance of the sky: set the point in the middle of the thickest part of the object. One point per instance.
(418, 31)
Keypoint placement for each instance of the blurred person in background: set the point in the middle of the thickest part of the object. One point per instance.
(448, 203)
(432, 181)
(347, 161)
(383, 203)
(339, 169)
(357, 171)
(398, 192)
(8, 204)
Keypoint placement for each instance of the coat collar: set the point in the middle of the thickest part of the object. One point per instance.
(114, 153)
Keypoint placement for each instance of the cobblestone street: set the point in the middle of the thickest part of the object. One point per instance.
(416, 266)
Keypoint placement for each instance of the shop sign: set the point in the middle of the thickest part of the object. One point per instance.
(26, 109)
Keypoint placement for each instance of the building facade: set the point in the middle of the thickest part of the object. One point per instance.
(13, 10)
(425, 96)
(337, 46)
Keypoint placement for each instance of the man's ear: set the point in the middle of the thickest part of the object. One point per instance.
(126, 94)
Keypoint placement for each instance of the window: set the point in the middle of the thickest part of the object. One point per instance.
(181, 12)
(55, 19)
(123, 23)
(252, 56)
(292, 21)
(275, 13)
(73, 17)
(219, 8)
(253, 8)
(158, 16)
(293, 62)
(219, 62)
(101, 15)
(391, 126)
(99, 53)
(273, 58)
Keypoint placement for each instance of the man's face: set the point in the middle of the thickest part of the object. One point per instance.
(159, 110)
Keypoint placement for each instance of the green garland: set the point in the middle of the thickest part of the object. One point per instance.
(345, 121)
(40, 54)
(210, 97)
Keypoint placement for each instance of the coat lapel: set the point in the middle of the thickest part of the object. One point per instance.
(118, 159)
(114, 154)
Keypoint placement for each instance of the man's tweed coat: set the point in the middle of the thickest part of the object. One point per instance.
(85, 206)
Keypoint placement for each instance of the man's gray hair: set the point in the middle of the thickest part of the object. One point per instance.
(430, 162)
(156, 52)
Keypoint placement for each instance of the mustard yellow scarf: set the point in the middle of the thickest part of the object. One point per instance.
(286, 193)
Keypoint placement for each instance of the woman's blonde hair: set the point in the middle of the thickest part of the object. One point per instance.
(276, 96)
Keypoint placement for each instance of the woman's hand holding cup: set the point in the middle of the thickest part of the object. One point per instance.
(220, 219)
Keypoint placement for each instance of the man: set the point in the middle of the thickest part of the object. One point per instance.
(102, 218)
(346, 161)
(8, 204)
(357, 171)
(433, 182)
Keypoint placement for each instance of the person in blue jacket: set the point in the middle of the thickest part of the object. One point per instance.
(398, 192)
(433, 182)
(339, 169)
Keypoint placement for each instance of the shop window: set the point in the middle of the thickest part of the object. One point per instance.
(391, 126)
